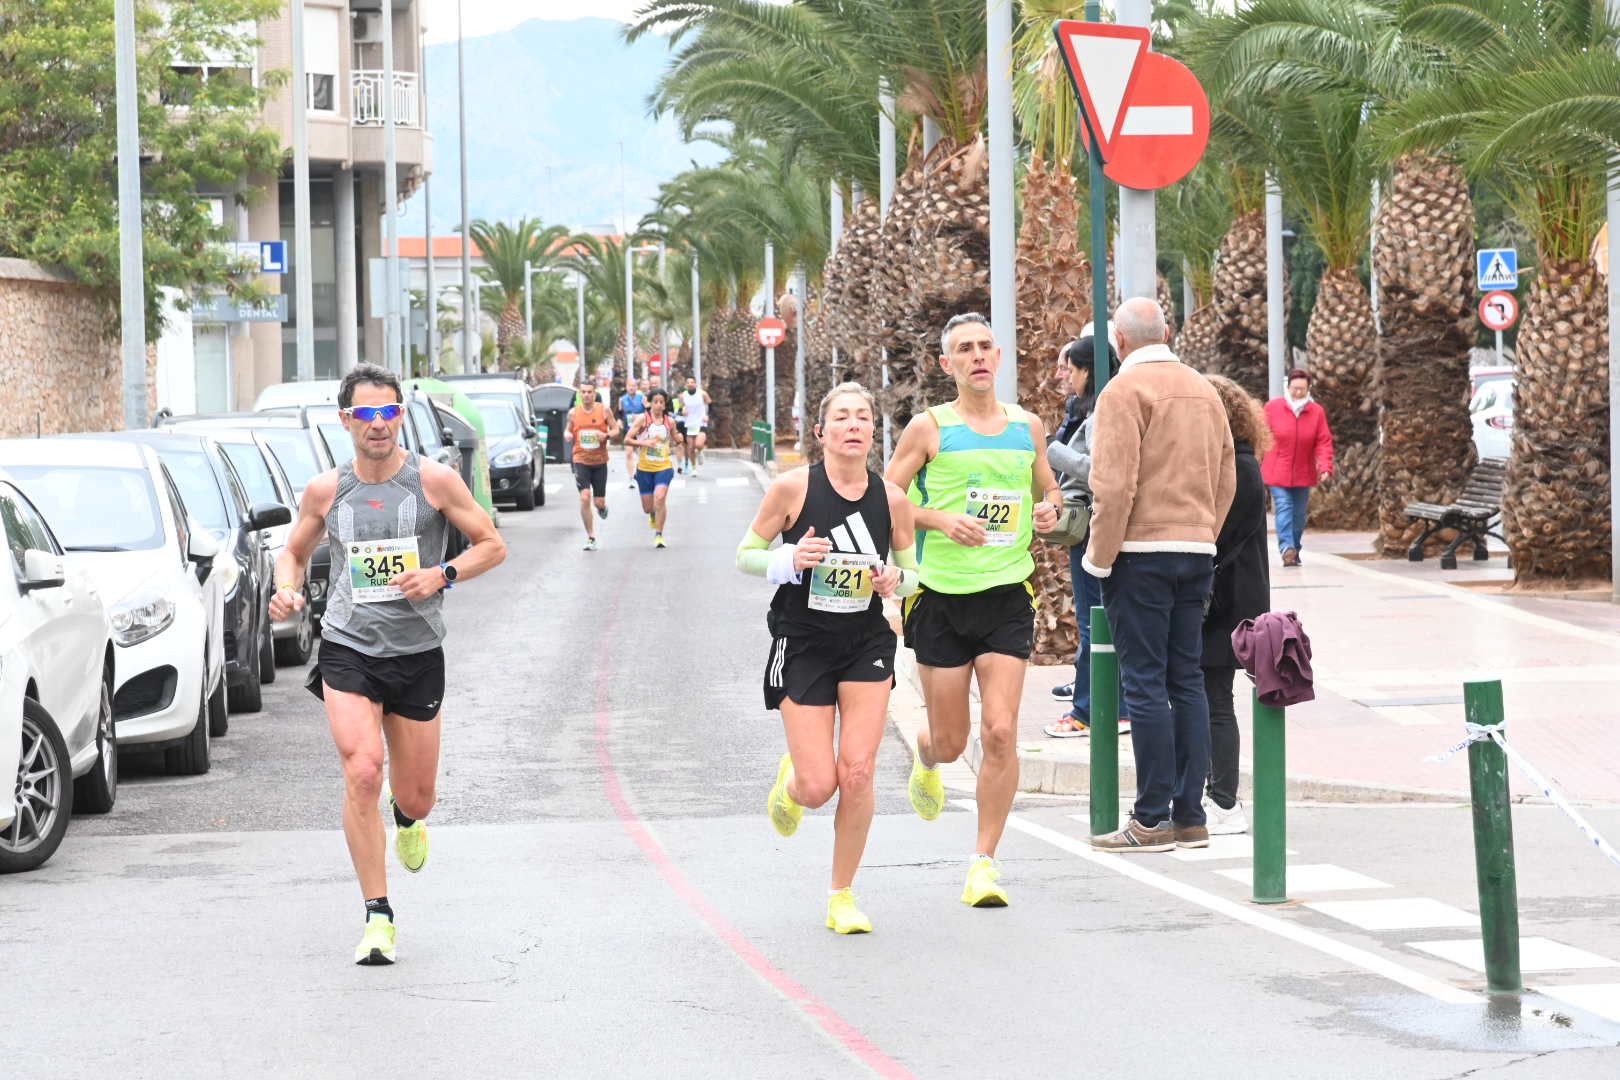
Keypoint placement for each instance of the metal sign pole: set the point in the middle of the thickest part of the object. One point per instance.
(1099, 244)
(1003, 214)
(393, 332)
(770, 351)
(303, 249)
(697, 327)
(131, 258)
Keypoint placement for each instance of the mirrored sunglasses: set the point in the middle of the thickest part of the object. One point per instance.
(367, 413)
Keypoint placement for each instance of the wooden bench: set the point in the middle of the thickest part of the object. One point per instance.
(1475, 515)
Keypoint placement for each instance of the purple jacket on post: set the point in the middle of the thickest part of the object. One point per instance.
(1275, 652)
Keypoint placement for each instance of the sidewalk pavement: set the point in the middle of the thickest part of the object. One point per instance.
(1393, 643)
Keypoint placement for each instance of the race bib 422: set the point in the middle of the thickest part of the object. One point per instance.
(997, 509)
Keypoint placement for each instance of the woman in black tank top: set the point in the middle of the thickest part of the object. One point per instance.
(846, 537)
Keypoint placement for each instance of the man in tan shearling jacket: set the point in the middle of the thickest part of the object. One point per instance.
(1162, 479)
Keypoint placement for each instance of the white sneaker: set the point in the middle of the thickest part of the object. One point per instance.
(1220, 822)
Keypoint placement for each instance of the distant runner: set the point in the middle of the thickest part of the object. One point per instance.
(977, 477)
(846, 543)
(632, 403)
(590, 426)
(654, 435)
(694, 418)
(386, 516)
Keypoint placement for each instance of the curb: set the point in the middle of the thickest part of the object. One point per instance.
(1045, 773)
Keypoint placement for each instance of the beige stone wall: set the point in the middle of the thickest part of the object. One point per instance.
(58, 370)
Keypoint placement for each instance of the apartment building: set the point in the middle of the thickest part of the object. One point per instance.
(343, 57)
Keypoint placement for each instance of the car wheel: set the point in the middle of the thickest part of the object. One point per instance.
(267, 650)
(191, 757)
(524, 497)
(294, 651)
(97, 790)
(44, 794)
(249, 698)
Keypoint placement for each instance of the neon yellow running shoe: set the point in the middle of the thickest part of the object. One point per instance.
(783, 811)
(982, 889)
(927, 790)
(410, 843)
(377, 947)
(658, 540)
(843, 917)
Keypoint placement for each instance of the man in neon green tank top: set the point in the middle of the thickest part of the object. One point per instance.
(981, 489)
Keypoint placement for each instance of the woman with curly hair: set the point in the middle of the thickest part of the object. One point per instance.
(1242, 590)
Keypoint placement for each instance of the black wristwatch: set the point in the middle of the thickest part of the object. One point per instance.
(449, 572)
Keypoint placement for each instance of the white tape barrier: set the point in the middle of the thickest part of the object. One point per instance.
(1496, 734)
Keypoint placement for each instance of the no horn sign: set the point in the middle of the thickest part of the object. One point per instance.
(1147, 111)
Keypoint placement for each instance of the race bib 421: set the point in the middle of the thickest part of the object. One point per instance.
(373, 564)
(842, 584)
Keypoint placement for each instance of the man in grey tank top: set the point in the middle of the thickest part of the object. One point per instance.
(386, 516)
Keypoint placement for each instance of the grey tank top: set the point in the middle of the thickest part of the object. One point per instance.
(392, 510)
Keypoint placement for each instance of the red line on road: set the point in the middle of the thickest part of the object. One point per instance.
(841, 1030)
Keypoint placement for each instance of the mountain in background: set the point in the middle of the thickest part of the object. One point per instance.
(558, 96)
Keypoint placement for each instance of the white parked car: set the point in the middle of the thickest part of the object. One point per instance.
(56, 678)
(1492, 412)
(120, 519)
(311, 392)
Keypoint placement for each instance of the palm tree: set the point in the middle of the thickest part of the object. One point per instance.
(601, 261)
(1195, 216)
(1424, 235)
(509, 250)
(1528, 99)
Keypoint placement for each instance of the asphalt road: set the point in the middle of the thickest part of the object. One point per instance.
(606, 898)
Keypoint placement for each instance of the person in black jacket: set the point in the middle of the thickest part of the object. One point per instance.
(1242, 590)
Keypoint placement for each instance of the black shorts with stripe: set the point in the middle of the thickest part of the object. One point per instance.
(950, 630)
(807, 670)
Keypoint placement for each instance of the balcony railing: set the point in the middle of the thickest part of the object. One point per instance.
(368, 87)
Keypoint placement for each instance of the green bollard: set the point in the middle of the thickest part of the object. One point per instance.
(1493, 841)
(1270, 803)
(1104, 726)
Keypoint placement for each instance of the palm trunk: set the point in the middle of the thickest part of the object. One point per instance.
(1425, 275)
(1240, 303)
(1557, 498)
(1341, 342)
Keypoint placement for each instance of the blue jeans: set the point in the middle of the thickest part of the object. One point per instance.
(1087, 595)
(1155, 605)
(1290, 503)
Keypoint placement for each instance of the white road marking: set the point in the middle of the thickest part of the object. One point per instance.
(1408, 913)
(732, 481)
(1271, 924)
(1602, 999)
(1314, 878)
(1535, 954)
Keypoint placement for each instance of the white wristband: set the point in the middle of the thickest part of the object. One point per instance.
(781, 570)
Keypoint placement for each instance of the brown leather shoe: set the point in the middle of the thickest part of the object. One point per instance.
(1137, 837)
(1290, 557)
(1191, 836)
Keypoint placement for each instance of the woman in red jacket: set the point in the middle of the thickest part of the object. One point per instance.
(1299, 459)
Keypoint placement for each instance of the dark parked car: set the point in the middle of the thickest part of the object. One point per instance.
(302, 454)
(515, 456)
(551, 404)
(216, 499)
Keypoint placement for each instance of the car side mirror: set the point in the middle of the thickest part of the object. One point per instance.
(447, 436)
(267, 516)
(202, 548)
(531, 433)
(41, 570)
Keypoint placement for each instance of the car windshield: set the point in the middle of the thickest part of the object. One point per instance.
(255, 474)
(499, 419)
(199, 488)
(338, 441)
(95, 509)
(297, 457)
(515, 400)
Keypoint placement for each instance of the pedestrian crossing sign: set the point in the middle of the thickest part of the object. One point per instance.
(1498, 269)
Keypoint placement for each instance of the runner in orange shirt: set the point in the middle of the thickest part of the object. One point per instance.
(590, 426)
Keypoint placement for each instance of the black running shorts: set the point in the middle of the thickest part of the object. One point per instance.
(951, 630)
(409, 686)
(807, 671)
(593, 477)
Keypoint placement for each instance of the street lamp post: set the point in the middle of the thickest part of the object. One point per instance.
(579, 302)
(770, 350)
(131, 258)
(467, 317)
(528, 303)
(392, 331)
(697, 326)
(885, 197)
(303, 249)
(1003, 223)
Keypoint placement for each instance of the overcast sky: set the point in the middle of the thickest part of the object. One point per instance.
(492, 16)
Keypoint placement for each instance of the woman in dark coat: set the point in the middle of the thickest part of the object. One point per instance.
(1242, 591)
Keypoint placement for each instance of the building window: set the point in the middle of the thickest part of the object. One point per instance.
(322, 46)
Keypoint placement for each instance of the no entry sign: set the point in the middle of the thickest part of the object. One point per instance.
(1498, 311)
(771, 331)
(1147, 111)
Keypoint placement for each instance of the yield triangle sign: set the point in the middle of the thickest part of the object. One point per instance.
(1103, 61)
